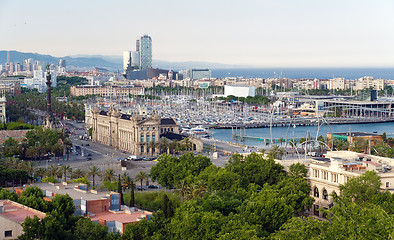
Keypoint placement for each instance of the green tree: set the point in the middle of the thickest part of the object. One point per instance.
(65, 170)
(63, 204)
(298, 170)
(141, 176)
(109, 175)
(361, 189)
(170, 171)
(77, 173)
(86, 229)
(94, 171)
(53, 170)
(120, 191)
(256, 168)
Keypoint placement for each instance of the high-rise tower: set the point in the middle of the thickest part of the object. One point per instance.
(145, 52)
(126, 60)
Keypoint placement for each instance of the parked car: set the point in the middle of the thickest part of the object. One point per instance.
(89, 154)
(153, 186)
(88, 158)
(139, 188)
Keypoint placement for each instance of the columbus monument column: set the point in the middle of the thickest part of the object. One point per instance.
(49, 120)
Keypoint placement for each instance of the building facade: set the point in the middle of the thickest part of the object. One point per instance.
(106, 91)
(131, 133)
(3, 116)
(239, 91)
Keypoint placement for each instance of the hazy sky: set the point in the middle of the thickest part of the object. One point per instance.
(277, 33)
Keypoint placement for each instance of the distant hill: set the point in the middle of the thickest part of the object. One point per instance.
(79, 63)
(112, 63)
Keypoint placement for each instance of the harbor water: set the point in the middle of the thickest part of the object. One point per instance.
(299, 132)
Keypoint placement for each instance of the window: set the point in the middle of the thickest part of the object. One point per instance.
(161, 130)
(8, 233)
(325, 194)
(147, 129)
(316, 192)
(334, 177)
(142, 138)
(153, 137)
(316, 210)
(194, 147)
(147, 138)
(142, 149)
(387, 184)
(172, 129)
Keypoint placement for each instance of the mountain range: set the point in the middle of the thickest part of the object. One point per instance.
(112, 63)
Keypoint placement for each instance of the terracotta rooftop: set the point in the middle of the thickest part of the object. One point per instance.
(17, 212)
(17, 135)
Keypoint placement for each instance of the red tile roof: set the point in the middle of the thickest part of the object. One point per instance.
(17, 135)
(17, 212)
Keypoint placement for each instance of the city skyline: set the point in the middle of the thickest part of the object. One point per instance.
(253, 33)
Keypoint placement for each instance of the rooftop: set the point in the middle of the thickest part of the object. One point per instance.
(72, 191)
(356, 134)
(17, 212)
(122, 217)
(17, 135)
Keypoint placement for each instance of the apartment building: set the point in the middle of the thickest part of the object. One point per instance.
(106, 91)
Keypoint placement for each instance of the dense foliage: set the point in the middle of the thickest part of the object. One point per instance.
(38, 142)
(16, 176)
(250, 198)
(19, 107)
(256, 100)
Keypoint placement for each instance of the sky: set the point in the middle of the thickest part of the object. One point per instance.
(255, 33)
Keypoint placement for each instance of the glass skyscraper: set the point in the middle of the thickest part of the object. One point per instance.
(145, 46)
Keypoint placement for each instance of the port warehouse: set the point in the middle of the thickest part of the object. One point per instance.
(383, 109)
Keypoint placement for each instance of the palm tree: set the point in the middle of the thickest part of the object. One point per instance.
(127, 181)
(28, 167)
(64, 170)
(15, 163)
(184, 189)
(40, 172)
(188, 144)
(31, 152)
(281, 141)
(94, 171)
(109, 174)
(52, 170)
(141, 176)
(163, 144)
(68, 144)
(174, 146)
(78, 173)
(198, 190)
(151, 145)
